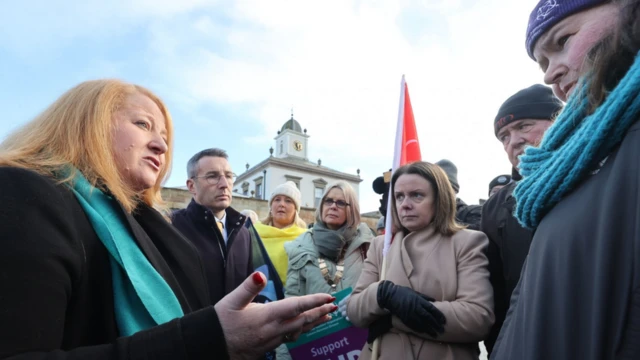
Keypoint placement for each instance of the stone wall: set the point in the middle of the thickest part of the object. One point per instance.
(370, 219)
(180, 198)
(176, 198)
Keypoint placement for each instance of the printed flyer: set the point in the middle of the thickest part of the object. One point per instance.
(336, 339)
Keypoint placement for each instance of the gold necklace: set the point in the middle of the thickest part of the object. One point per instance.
(324, 270)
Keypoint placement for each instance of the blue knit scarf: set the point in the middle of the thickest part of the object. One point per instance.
(573, 146)
(142, 298)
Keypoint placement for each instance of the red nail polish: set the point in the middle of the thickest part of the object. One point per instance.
(257, 278)
(331, 299)
(334, 308)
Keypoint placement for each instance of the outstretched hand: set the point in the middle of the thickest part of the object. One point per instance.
(251, 329)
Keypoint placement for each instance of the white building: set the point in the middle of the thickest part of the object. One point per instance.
(290, 163)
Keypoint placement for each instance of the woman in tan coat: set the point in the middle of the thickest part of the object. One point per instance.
(435, 300)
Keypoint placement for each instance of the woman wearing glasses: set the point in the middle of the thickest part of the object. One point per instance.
(282, 225)
(434, 300)
(329, 257)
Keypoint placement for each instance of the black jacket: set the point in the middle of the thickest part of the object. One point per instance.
(508, 248)
(579, 293)
(56, 297)
(226, 266)
(469, 215)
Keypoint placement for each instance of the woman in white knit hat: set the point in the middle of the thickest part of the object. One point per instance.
(283, 224)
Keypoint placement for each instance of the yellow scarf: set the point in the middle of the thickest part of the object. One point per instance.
(274, 239)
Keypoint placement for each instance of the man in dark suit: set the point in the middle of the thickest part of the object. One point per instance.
(212, 225)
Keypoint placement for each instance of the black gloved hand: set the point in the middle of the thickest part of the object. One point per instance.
(383, 325)
(379, 328)
(414, 309)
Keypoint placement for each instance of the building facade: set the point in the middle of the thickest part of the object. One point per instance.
(179, 198)
(291, 163)
(252, 189)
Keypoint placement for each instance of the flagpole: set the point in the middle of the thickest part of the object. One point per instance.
(388, 235)
(397, 155)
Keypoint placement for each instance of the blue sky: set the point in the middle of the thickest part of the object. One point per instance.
(230, 71)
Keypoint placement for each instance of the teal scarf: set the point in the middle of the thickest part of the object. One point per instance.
(573, 146)
(142, 298)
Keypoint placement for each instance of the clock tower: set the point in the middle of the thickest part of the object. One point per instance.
(289, 161)
(292, 141)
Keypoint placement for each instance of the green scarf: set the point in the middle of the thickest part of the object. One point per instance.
(330, 243)
(142, 298)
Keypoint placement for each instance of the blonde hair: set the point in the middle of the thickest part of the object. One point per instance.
(77, 130)
(297, 220)
(444, 220)
(352, 211)
(251, 215)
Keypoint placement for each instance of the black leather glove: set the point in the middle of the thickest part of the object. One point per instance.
(379, 328)
(383, 325)
(414, 309)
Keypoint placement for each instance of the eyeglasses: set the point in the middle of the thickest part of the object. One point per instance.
(214, 178)
(339, 203)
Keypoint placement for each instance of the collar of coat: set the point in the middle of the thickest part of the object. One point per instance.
(399, 242)
(171, 254)
(198, 212)
(515, 175)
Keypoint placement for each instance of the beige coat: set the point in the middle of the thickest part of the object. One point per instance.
(452, 270)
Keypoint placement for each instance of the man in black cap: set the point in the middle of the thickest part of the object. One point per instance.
(465, 214)
(498, 183)
(520, 122)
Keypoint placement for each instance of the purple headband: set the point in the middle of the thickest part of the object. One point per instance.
(549, 12)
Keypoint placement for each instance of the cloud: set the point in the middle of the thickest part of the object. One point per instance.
(340, 67)
(43, 25)
(338, 64)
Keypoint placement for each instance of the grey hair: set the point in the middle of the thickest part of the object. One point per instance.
(192, 165)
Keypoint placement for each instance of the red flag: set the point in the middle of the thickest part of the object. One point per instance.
(410, 148)
(407, 150)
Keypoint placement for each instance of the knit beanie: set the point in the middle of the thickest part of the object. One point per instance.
(452, 173)
(535, 102)
(288, 189)
(499, 180)
(550, 12)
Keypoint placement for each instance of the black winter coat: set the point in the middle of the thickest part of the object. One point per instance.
(226, 266)
(508, 248)
(579, 293)
(469, 215)
(56, 297)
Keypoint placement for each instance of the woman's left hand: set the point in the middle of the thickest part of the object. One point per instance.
(412, 308)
